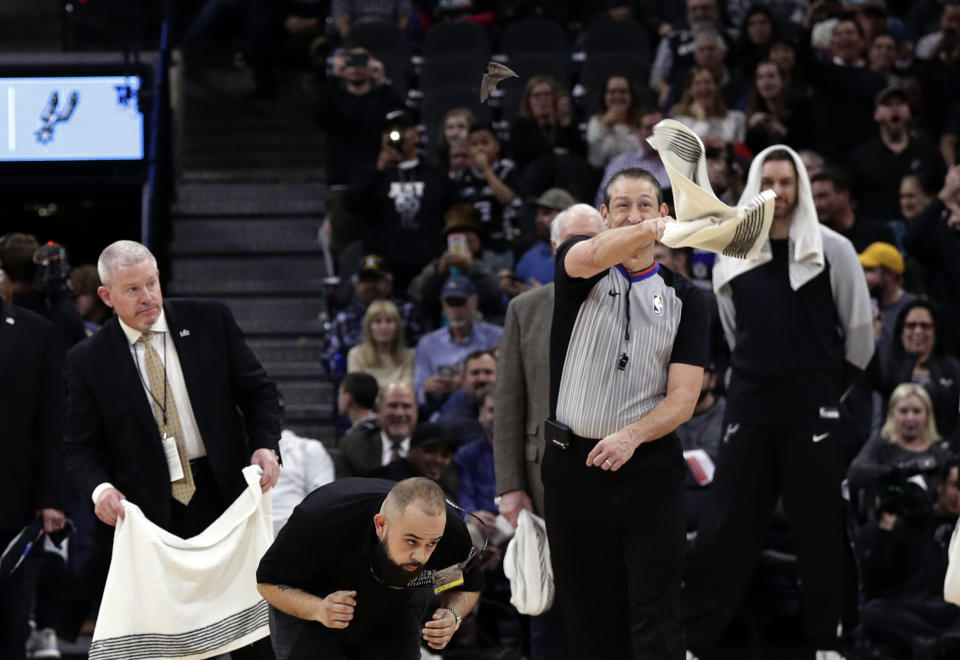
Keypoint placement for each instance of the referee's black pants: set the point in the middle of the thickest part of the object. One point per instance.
(757, 464)
(617, 545)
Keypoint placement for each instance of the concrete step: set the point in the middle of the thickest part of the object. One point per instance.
(202, 235)
(219, 287)
(247, 269)
(317, 393)
(309, 412)
(292, 349)
(317, 431)
(247, 191)
(314, 175)
(298, 308)
(280, 371)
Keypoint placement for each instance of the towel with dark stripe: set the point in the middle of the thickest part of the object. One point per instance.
(168, 597)
(703, 221)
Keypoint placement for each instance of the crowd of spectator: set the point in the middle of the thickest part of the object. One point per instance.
(438, 227)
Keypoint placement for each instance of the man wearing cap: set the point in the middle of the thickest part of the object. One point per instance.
(465, 255)
(440, 353)
(432, 447)
(402, 201)
(831, 197)
(536, 265)
(352, 573)
(372, 281)
(877, 165)
(883, 267)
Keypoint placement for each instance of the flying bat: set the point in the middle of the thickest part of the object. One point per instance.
(495, 73)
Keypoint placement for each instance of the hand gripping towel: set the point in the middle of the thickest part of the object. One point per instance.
(526, 563)
(703, 221)
(168, 597)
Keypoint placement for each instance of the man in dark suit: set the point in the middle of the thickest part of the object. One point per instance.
(155, 402)
(31, 409)
(522, 402)
(363, 452)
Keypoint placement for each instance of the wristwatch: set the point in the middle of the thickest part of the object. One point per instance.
(456, 615)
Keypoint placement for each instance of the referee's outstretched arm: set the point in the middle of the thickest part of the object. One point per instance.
(611, 247)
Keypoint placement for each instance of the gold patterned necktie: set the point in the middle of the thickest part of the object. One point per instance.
(165, 412)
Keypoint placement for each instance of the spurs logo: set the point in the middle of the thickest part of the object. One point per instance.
(731, 429)
(53, 114)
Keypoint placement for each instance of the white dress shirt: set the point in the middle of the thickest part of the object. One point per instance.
(386, 453)
(306, 466)
(164, 345)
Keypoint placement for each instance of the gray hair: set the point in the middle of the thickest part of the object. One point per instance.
(713, 35)
(558, 228)
(122, 254)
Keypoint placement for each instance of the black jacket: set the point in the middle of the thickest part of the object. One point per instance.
(111, 434)
(32, 401)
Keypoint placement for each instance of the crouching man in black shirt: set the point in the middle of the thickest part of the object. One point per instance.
(351, 574)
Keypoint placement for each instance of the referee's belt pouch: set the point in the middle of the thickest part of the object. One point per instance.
(557, 434)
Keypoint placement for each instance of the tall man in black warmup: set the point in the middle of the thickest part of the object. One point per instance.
(627, 349)
(154, 407)
(799, 325)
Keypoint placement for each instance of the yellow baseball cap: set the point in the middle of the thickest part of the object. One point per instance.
(882, 254)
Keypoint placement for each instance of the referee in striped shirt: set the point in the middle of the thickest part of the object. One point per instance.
(627, 350)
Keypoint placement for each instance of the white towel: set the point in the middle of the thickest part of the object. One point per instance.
(951, 582)
(526, 563)
(703, 221)
(806, 240)
(168, 597)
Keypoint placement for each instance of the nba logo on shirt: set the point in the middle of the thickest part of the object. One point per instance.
(657, 304)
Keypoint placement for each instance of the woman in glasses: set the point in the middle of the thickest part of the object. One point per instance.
(919, 357)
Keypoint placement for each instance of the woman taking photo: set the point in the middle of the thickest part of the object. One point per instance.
(383, 353)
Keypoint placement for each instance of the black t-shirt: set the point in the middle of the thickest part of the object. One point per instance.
(499, 220)
(866, 231)
(353, 125)
(403, 211)
(788, 359)
(875, 172)
(327, 545)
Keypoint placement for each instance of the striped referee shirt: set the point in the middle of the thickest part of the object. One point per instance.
(613, 338)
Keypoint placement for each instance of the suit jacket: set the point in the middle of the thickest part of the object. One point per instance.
(360, 454)
(522, 397)
(111, 434)
(32, 403)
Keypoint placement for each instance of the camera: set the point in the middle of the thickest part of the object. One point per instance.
(395, 137)
(899, 492)
(358, 59)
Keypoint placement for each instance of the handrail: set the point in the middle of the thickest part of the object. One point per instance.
(155, 199)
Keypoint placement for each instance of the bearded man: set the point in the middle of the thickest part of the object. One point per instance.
(352, 573)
